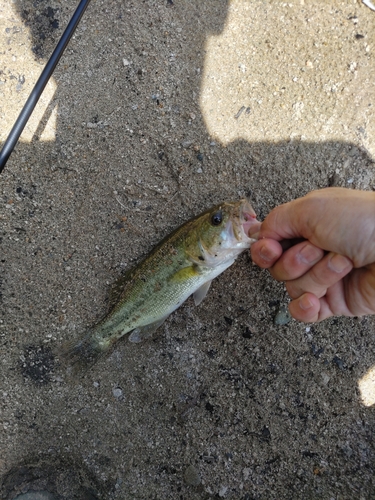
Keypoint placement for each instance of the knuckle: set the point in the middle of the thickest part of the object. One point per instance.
(293, 289)
(320, 275)
(275, 274)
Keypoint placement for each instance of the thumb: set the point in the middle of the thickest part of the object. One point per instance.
(335, 219)
(288, 221)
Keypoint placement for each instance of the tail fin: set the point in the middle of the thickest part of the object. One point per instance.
(82, 354)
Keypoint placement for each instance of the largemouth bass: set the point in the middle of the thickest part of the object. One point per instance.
(183, 264)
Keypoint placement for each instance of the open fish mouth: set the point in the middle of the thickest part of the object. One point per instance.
(247, 222)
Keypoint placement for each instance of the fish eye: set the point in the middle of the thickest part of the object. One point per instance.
(217, 218)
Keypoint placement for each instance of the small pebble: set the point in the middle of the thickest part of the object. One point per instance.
(338, 362)
(117, 393)
(223, 491)
(325, 378)
(282, 316)
(239, 113)
(246, 473)
(192, 476)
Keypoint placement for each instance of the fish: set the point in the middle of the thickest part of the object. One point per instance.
(182, 264)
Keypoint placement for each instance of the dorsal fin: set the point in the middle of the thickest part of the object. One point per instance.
(118, 287)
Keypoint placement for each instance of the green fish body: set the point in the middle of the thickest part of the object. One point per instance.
(184, 263)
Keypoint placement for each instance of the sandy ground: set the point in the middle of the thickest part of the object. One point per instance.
(158, 110)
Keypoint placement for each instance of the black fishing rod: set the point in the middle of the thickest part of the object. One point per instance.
(40, 84)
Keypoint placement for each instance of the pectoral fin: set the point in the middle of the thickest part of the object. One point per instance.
(185, 273)
(200, 294)
(145, 332)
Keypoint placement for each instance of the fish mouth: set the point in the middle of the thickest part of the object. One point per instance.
(247, 225)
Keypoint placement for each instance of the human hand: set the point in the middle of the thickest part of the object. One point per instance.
(330, 271)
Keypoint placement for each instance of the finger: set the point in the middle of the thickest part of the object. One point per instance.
(296, 261)
(334, 302)
(252, 228)
(328, 271)
(352, 296)
(265, 252)
(359, 290)
(309, 309)
(306, 308)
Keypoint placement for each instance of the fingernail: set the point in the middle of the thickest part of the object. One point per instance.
(305, 303)
(339, 263)
(266, 254)
(310, 254)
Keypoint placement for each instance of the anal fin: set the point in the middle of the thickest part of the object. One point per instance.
(145, 332)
